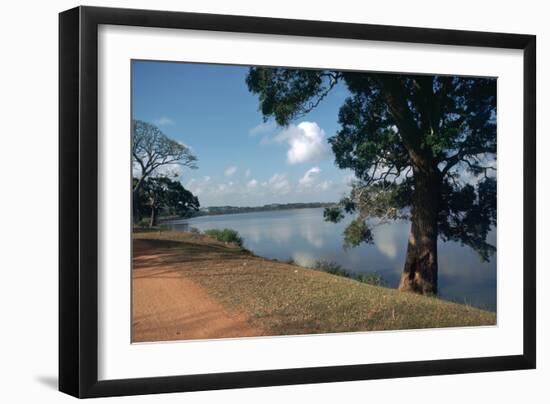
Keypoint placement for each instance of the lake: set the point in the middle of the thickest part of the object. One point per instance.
(303, 235)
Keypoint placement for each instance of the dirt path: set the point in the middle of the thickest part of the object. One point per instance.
(189, 286)
(167, 306)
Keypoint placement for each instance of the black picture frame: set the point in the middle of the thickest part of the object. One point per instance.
(78, 201)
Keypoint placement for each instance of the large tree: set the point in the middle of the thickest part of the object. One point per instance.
(422, 147)
(153, 151)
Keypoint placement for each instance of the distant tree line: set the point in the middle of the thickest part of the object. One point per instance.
(225, 210)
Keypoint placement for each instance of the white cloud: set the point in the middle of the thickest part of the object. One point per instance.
(386, 239)
(349, 179)
(304, 259)
(224, 188)
(198, 186)
(306, 141)
(324, 185)
(229, 171)
(309, 177)
(313, 236)
(280, 234)
(247, 173)
(278, 184)
(262, 128)
(163, 121)
(279, 187)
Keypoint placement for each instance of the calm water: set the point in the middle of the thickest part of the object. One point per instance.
(304, 236)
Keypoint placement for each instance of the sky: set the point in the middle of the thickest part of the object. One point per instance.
(242, 160)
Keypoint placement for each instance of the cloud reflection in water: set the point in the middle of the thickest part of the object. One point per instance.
(304, 236)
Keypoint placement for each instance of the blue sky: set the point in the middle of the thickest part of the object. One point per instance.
(242, 161)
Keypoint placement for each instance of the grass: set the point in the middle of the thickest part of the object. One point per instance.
(285, 299)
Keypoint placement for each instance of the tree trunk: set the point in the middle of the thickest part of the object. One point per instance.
(153, 219)
(420, 270)
(135, 211)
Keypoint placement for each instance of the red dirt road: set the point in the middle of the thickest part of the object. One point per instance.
(167, 306)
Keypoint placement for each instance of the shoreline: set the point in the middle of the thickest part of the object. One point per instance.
(285, 299)
(354, 274)
(252, 210)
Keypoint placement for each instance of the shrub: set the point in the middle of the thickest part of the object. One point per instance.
(194, 230)
(332, 268)
(371, 278)
(143, 222)
(336, 269)
(225, 235)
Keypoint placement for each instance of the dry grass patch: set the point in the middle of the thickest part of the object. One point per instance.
(286, 299)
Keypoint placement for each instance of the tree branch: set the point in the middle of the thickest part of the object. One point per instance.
(333, 77)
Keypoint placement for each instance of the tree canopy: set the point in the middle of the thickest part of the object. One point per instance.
(161, 194)
(153, 191)
(152, 149)
(397, 133)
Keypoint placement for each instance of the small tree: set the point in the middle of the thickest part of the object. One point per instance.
(159, 194)
(152, 150)
(412, 141)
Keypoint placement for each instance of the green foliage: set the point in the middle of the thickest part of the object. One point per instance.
(227, 210)
(226, 236)
(394, 128)
(284, 93)
(356, 233)
(291, 261)
(333, 214)
(386, 201)
(143, 223)
(469, 215)
(153, 151)
(371, 279)
(332, 268)
(336, 269)
(161, 194)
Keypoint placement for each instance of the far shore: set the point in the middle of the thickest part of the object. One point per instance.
(189, 286)
(235, 210)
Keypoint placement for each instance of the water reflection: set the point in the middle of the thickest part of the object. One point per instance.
(305, 237)
(388, 239)
(303, 259)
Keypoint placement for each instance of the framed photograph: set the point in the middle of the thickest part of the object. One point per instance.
(251, 201)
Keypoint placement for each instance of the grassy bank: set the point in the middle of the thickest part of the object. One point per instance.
(285, 299)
